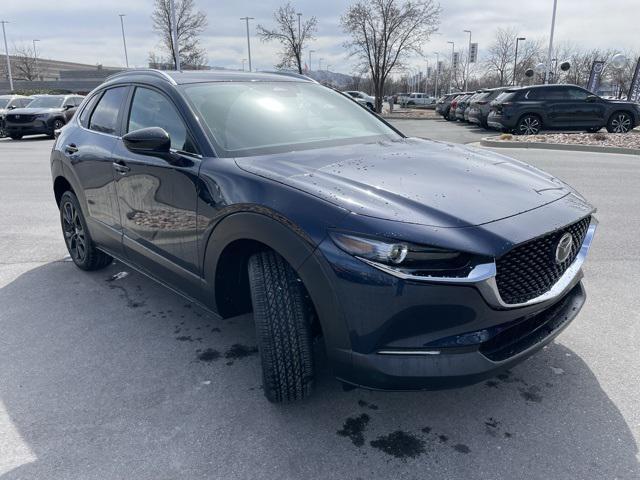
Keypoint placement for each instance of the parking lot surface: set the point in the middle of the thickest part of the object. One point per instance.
(107, 375)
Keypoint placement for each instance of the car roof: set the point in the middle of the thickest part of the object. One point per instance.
(203, 76)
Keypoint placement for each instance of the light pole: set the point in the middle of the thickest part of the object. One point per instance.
(515, 61)
(35, 56)
(435, 91)
(553, 27)
(124, 40)
(453, 47)
(6, 51)
(246, 19)
(466, 74)
(310, 52)
(174, 36)
(299, 41)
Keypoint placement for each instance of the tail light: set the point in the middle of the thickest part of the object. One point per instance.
(481, 102)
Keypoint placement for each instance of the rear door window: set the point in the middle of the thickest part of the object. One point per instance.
(104, 118)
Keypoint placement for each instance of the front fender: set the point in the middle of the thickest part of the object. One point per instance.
(300, 253)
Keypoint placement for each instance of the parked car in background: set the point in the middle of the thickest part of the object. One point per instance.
(414, 286)
(461, 105)
(44, 115)
(399, 97)
(478, 110)
(444, 103)
(470, 100)
(8, 103)
(363, 98)
(451, 114)
(527, 110)
(418, 99)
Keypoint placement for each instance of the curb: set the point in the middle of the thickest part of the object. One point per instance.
(490, 142)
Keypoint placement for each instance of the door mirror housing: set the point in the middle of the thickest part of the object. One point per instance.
(592, 98)
(12, 107)
(68, 107)
(148, 141)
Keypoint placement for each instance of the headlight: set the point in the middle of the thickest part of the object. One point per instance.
(40, 116)
(405, 256)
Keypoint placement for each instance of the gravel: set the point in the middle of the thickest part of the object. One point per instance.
(602, 139)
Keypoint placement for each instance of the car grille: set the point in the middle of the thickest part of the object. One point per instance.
(530, 269)
(20, 118)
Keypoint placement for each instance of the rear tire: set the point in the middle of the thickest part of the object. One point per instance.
(620, 122)
(528, 125)
(283, 327)
(15, 136)
(77, 237)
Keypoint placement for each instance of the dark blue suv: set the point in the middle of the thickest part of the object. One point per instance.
(416, 264)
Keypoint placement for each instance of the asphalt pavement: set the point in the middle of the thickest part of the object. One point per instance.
(107, 375)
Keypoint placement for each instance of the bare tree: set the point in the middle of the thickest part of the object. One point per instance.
(291, 35)
(501, 54)
(384, 33)
(190, 24)
(25, 62)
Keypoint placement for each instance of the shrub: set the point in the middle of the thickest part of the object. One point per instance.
(506, 136)
(599, 136)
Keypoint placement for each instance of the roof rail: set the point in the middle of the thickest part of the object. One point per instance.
(149, 71)
(288, 74)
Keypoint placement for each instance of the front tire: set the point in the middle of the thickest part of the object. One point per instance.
(528, 125)
(283, 327)
(620, 122)
(15, 136)
(56, 125)
(77, 237)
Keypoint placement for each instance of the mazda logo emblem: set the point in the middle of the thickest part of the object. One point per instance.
(564, 247)
(17, 116)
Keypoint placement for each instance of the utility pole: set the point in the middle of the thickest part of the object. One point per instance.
(310, 52)
(6, 51)
(466, 74)
(124, 40)
(174, 36)
(515, 61)
(35, 56)
(553, 27)
(246, 19)
(299, 41)
(452, 72)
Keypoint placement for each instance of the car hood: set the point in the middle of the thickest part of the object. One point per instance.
(414, 180)
(34, 111)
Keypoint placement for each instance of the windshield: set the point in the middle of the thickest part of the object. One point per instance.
(267, 117)
(4, 102)
(47, 102)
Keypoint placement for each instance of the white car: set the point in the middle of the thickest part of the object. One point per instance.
(418, 99)
(362, 98)
(9, 102)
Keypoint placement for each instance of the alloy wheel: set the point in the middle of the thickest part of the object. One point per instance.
(58, 124)
(74, 234)
(529, 126)
(621, 123)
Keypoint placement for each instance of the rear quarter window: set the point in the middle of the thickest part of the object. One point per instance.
(86, 111)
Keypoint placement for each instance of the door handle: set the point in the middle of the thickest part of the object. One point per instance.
(71, 148)
(121, 168)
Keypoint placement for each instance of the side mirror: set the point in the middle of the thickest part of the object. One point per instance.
(11, 107)
(68, 107)
(148, 141)
(592, 98)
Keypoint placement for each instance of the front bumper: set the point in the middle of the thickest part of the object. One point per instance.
(453, 367)
(37, 126)
(407, 333)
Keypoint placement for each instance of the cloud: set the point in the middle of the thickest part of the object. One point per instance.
(89, 31)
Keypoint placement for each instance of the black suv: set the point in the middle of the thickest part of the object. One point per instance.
(527, 110)
(45, 114)
(415, 264)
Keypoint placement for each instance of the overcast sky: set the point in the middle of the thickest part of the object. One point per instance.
(88, 31)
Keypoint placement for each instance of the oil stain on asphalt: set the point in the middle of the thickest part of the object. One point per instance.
(354, 427)
(400, 444)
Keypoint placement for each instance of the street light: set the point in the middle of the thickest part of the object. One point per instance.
(515, 61)
(466, 76)
(435, 90)
(6, 51)
(553, 27)
(124, 40)
(35, 56)
(174, 36)
(246, 19)
(299, 39)
(453, 47)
